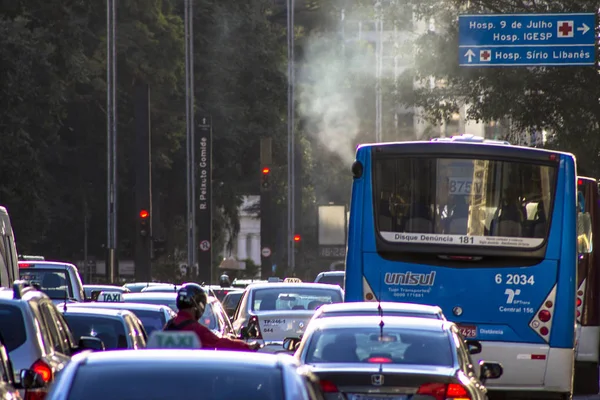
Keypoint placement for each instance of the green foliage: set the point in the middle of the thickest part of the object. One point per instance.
(53, 119)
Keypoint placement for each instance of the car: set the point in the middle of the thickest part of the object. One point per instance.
(59, 280)
(9, 270)
(162, 288)
(273, 311)
(90, 289)
(385, 308)
(153, 317)
(8, 385)
(231, 301)
(177, 373)
(331, 277)
(360, 356)
(36, 335)
(118, 329)
(214, 317)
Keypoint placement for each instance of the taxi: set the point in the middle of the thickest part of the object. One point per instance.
(270, 312)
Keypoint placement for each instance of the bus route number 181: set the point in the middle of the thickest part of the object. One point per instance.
(515, 279)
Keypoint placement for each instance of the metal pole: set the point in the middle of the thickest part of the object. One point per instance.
(291, 136)
(188, 112)
(111, 112)
(193, 139)
(86, 268)
(378, 70)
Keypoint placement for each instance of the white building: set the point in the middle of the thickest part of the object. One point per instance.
(247, 243)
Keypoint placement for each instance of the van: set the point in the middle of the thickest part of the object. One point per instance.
(9, 267)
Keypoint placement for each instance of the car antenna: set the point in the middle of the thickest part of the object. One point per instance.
(380, 311)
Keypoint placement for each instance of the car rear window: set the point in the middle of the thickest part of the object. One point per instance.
(369, 345)
(12, 326)
(332, 280)
(293, 298)
(232, 299)
(169, 302)
(152, 320)
(54, 282)
(111, 331)
(169, 380)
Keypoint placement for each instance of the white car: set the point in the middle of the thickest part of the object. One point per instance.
(373, 308)
(270, 312)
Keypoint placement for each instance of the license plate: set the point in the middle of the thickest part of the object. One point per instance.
(375, 397)
(468, 331)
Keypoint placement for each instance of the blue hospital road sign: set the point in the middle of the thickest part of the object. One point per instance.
(526, 35)
(526, 56)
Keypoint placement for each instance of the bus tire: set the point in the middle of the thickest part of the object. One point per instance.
(586, 378)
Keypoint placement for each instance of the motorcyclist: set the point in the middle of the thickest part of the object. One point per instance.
(191, 302)
(224, 281)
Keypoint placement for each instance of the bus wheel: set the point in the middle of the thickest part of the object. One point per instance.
(586, 378)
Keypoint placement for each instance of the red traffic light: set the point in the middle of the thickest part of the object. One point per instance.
(266, 170)
(580, 181)
(144, 214)
(297, 238)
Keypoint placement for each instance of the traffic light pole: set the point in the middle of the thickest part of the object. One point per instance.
(143, 186)
(266, 234)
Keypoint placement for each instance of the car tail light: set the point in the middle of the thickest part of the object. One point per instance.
(328, 387)
(441, 391)
(541, 322)
(24, 265)
(35, 394)
(381, 360)
(579, 301)
(254, 321)
(41, 368)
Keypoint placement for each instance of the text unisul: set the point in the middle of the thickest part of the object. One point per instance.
(409, 279)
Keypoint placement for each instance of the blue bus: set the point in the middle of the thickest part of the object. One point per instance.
(485, 230)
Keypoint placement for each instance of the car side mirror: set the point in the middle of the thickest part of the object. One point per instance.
(244, 334)
(31, 380)
(291, 343)
(490, 370)
(90, 343)
(473, 346)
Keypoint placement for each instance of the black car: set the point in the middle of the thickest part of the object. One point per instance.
(369, 356)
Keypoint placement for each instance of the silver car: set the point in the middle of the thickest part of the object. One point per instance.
(59, 280)
(176, 374)
(273, 311)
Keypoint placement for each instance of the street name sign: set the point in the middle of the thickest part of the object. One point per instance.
(510, 40)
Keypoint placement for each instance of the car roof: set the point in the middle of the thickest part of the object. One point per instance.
(282, 285)
(390, 306)
(350, 322)
(159, 356)
(48, 264)
(153, 295)
(108, 312)
(121, 306)
(9, 294)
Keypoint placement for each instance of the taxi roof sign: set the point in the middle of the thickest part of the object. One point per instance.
(110, 297)
(173, 340)
(292, 280)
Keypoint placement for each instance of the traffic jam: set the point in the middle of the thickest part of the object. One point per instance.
(275, 339)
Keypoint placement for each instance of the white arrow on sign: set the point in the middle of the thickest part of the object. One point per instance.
(583, 29)
(469, 54)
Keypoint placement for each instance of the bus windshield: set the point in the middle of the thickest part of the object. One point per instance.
(461, 201)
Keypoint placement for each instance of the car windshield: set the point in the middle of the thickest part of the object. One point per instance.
(169, 302)
(12, 327)
(169, 380)
(293, 298)
(110, 330)
(463, 201)
(368, 345)
(54, 282)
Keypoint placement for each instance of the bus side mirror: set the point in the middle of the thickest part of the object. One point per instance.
(584, 233)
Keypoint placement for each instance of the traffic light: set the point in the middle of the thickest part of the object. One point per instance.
(144, 217)
(297, 241)
(159, 247)
(265, 183)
